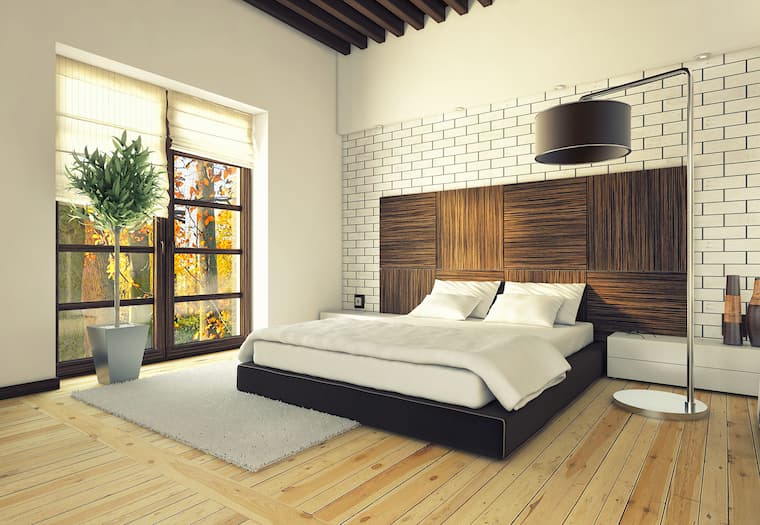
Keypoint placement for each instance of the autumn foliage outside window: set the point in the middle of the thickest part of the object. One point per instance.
(207, 248)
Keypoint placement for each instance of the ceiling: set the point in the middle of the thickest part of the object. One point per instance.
(341, 24)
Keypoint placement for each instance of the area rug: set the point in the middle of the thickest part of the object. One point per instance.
(201, 407)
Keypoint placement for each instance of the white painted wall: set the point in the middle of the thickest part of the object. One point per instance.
(521, 47)
(222, 46)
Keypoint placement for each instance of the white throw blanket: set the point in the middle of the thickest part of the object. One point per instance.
(515, 368)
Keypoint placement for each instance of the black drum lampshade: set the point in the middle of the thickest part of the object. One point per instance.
(583, 132)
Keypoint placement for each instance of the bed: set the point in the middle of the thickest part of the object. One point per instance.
(449, 405)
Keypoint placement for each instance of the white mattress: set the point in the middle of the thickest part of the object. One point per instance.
(439, 383)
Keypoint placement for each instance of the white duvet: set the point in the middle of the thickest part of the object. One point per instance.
(516, 368)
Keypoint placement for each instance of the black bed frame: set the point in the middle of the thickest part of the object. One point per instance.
(489, 431)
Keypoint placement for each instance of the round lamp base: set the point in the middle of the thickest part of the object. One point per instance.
(660, 405)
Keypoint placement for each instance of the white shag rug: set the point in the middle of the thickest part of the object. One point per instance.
(201, 407)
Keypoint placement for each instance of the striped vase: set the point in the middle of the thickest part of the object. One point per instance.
(753, 315)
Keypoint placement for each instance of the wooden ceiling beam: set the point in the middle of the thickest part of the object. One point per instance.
(325, 20)
(353, 18)
(302, 24)
(435, 9)
(485, 3)
(460, 6)
(404, 10)
(378, 14)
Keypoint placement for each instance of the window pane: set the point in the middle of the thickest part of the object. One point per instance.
(88, 276)
(208, 181)
(74, 232)
(206, 320)
(72, 327)
(198, 227)
(206, 274)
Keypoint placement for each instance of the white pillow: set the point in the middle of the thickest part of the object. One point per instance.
(446, 306)
(484, 290)
(572, 294)
(537, 310)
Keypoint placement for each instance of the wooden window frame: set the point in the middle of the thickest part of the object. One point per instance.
(244, 295)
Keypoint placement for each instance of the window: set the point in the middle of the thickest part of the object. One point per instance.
(186, 275)
(208, 217)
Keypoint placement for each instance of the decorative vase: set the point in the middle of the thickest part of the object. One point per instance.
(753, 315)
(117, 351)
(732, 312)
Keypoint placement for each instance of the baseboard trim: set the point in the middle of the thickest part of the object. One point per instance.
(34, 387)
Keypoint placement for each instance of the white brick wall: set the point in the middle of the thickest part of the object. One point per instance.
(494, 144)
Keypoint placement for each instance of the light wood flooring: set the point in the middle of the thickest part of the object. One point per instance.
(64, 462)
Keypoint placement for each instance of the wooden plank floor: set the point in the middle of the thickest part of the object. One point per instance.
(64, 462)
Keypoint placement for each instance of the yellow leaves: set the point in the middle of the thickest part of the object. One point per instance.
(204, 180)
(127, 282)
(203, 321)
(229, 171)
(215, 326)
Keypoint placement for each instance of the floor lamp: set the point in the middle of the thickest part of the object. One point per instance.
(596, 130)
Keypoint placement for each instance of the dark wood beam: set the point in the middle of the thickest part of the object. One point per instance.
(460, 6)
(485, 3)
(378, 14)
(405, 11)
(325, 20)
(435, 9)
(353, 18)
(302, 24)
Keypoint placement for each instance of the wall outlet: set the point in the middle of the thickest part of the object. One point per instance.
(358, 301)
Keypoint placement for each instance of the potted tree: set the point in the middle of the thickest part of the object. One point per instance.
(123, 189)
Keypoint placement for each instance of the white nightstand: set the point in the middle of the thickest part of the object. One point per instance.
(662, 359)
(356, 314)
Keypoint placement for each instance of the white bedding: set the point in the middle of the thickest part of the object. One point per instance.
(514, 363)
(445, 384)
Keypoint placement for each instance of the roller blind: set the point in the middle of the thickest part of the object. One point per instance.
(93, 105)
(209, 130)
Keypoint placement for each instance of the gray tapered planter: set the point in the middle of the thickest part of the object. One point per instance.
(117, 352)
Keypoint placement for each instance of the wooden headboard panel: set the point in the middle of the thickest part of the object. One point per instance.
(622, 234)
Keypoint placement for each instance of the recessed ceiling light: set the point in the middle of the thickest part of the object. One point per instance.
(703, 56)
(459, 108)
(560, 87)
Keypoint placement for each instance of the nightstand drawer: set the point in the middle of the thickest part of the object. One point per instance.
(662, 359)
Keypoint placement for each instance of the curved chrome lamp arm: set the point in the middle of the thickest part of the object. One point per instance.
(690, 405)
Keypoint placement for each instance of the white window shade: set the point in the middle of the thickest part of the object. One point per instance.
(92, 106)
(209, 130)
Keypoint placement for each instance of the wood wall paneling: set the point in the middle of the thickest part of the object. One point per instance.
(470, 226)
(637, 221)
(545, 225)
(408, 231)
(544, 276)
(402, 289)
(650, 302)
(671, 220)
(623, 234)
(469, 275)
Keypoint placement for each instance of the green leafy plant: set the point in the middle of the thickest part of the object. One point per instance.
(123, 189)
